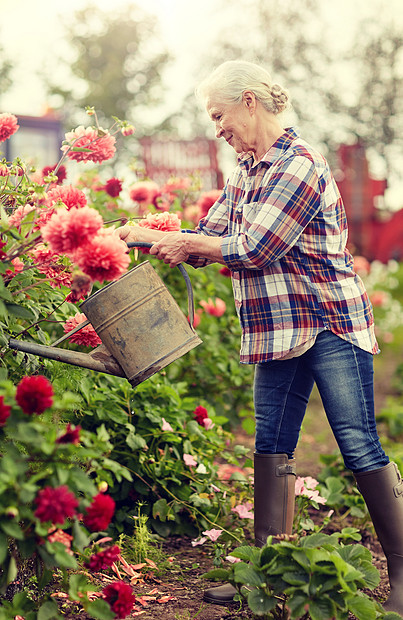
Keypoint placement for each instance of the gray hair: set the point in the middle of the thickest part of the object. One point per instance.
(231, 79)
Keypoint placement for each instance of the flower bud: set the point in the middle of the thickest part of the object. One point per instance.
(103, 486)
(11, 512)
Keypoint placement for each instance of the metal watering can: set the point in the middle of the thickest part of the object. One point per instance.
(140, 324)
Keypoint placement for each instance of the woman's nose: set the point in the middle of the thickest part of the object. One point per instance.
(218, 130)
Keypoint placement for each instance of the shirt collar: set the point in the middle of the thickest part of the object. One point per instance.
(276, 149)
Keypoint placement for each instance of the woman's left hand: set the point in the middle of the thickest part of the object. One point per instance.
(171, 249)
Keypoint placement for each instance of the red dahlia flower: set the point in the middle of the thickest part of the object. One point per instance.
(99, 514)
(113, 187)
(100, 148)
(61, 173)
(34, 394)
(8, 125)
(200, 414)
(86, 336)
(5, 411)
(104, 559)
(71, 435)
(55, 504)
(120, 597)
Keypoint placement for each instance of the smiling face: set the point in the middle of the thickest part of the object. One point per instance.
(234, 123)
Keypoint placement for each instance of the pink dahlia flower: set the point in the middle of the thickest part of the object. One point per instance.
(8, 125)
(87, 336)
(207, 199)
(105, 257)
(69, 195)
(55, 504)
(68, 230)
(100, 148)
(144, 191)
(215, 309)
(19, 214)
(161, 221)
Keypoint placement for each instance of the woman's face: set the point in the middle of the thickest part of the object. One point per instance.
(234, 123)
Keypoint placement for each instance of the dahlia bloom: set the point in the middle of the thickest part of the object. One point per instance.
(104, 559)
(144, 191)
(101, 147)
(43, 254)
(8, 125)
(62, 537)
(71, 435)
(4, 171)
(105, 257)
(5, 411)
(55, 504)
(161, 221)
(19, 214)
(215, 309)
(200, 414)
(224, 271)
(113, 187)
(68, 195)
(18, 266)
(68, 230)
(99, 514)
(120, 597)
(207, 199)
(61, 173)
(81, 286)
(128, 130)
(34, 394)
(87, 336)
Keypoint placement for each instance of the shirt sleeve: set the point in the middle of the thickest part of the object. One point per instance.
(214, 224)
(274, 223)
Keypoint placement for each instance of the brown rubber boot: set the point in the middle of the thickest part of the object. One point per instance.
(382, 490)
(274, 492)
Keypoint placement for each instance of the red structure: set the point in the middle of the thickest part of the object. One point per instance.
(359, 191)
(180, 158)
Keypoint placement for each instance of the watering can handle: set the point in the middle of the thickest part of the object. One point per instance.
(191, 309)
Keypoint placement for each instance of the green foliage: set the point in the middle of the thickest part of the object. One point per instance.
(318, 575)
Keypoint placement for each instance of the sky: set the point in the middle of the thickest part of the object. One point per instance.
(31, 34)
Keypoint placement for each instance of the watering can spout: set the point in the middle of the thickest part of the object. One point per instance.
(99, 360)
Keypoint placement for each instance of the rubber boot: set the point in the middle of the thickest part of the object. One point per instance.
(274, 491)
(382, 490)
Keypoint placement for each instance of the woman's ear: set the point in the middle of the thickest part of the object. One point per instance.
(249, 100)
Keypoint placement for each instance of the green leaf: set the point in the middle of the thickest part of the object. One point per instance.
(247, 575)
(81, 539)
(12, 570)
(246, 553)
(12, 528)
(100, 609)
(217, 574)
(362, 607)
(322, 609)
(48, 611)
(160, 509)
(20, 312)
(3, 548)
(260, 603)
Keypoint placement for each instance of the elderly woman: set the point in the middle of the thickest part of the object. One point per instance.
(280, 227)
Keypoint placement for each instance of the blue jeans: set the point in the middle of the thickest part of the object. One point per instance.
(343, 374)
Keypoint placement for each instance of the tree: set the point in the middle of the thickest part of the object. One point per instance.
(6, 66)
(117, 66)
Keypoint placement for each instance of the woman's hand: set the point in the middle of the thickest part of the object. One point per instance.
(171, 249)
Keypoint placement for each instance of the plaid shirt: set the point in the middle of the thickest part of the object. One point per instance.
(284, 234)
